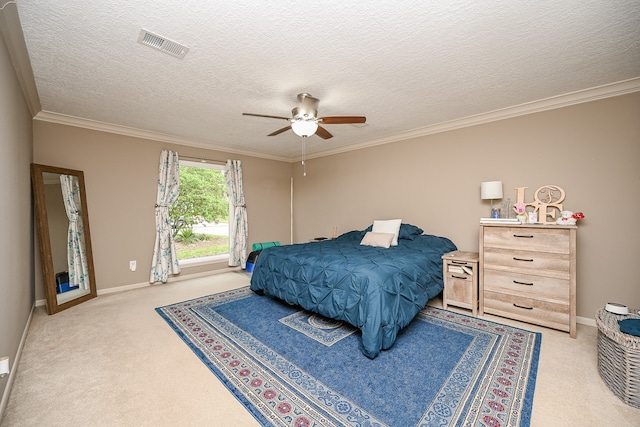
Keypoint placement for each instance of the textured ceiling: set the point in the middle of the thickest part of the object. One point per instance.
(404, 65)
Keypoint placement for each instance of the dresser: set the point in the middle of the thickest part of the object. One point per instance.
(528, 273)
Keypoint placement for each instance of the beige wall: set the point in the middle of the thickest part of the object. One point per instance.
(591, 150)
(121, 175)
(16, 220)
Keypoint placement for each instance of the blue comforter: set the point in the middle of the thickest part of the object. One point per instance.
(378, 290)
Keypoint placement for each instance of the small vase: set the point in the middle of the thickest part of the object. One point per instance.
(522, 218)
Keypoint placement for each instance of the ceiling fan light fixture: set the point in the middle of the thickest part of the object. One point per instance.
(304, 128)
(304, 119)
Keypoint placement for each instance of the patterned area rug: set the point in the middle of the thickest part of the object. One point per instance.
(291, 368)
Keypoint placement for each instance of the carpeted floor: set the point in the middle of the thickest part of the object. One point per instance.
(114, 362)
(275, 358)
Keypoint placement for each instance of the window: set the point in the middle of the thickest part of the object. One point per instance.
(200, 216)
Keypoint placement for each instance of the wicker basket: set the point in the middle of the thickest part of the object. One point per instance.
(619, 357)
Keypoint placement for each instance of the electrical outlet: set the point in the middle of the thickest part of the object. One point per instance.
(4, 366)
(132, 265)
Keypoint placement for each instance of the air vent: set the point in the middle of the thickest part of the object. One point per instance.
(161, 43)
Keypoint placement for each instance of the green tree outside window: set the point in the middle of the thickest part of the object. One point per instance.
(203, 198)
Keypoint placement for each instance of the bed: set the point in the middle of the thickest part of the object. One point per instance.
(377, 288)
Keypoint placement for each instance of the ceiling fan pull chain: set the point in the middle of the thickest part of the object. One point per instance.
(304, 149)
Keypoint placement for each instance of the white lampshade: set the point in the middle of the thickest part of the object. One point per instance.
(304, 127)
(491, 190)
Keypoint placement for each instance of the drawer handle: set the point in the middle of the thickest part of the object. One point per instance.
(522, 306)
(458, 277)
(523, 236)
(523, 259)
(523, 283)
(459, 262)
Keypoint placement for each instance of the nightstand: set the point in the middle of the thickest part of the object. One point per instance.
(460, 274)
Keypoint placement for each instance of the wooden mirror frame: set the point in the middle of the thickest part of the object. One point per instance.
(42, 221)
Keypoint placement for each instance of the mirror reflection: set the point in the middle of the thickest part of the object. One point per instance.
(65, 245)
(66, 234)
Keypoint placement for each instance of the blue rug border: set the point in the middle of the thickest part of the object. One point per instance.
(531, 386)
(526, 409)
(218, 373)
(234, 391)
(527, 406)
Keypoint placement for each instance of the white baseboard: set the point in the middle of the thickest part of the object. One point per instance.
(586, 321)
(16, 362)
(172, 279)
(123, 288)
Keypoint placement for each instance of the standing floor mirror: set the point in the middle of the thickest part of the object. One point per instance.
(64, 237)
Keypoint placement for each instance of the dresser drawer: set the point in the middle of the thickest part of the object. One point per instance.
(459, 263)
(529, 310)
(544, 263)
(527, 239)
(527, 285)
(459, 288)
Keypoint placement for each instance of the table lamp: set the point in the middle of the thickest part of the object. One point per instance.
(491, 190)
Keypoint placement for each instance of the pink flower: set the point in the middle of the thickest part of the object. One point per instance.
(519, 208)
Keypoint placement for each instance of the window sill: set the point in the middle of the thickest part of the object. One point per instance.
(195, 262)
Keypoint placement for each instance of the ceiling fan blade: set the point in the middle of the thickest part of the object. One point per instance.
(279, 131)
(265, 115)
(323, 133)
(339, 120)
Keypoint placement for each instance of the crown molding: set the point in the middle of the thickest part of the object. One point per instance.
(63, 119)
(560, 101)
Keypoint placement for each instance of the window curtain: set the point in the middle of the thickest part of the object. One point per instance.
(165, 256)
(238, 228)
(78, 268)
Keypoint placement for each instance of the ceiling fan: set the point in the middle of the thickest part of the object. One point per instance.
(305, 121)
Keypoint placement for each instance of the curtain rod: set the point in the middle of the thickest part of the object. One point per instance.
(202, 160)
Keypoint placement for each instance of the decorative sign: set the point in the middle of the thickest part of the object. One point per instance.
(547, 202)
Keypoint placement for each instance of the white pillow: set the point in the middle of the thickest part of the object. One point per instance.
(388, 226)
(382, 240)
